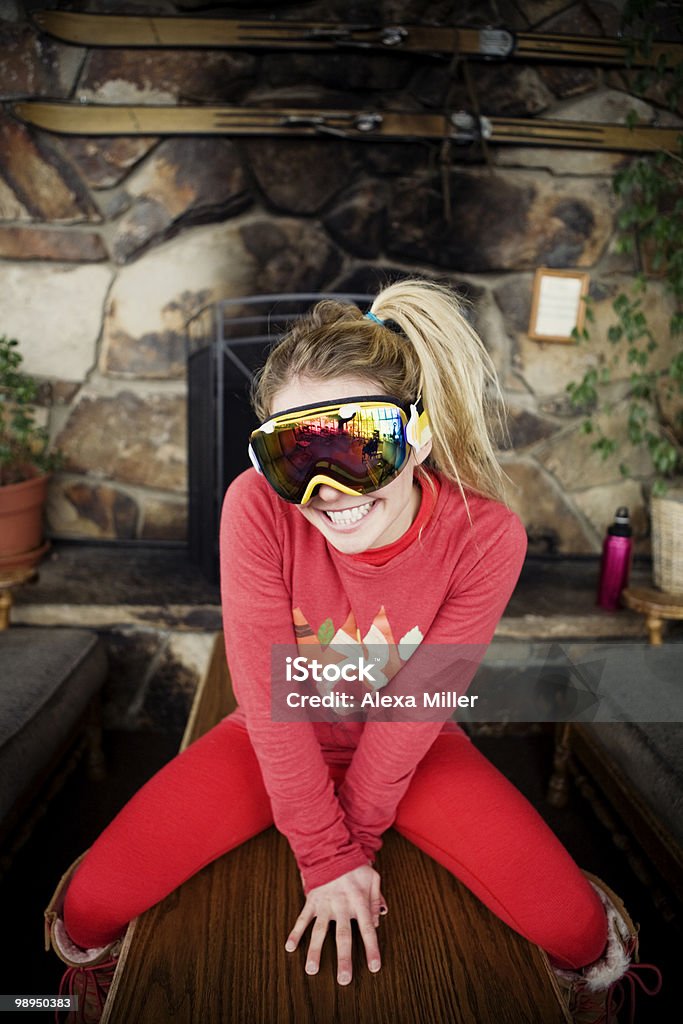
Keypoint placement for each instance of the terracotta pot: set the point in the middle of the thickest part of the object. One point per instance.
(21, 515)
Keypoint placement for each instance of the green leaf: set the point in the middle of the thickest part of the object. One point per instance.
(605, 445)
(22, 442)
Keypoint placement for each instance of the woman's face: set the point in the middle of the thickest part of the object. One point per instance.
(386, 514)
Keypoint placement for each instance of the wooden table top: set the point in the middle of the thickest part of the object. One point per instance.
(15, 577)
(213, 950)
(648, 599)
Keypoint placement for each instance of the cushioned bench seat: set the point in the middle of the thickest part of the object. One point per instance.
(650, 755)
(48, 679)
(635, 763)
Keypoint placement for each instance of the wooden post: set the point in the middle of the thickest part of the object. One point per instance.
(558, 787)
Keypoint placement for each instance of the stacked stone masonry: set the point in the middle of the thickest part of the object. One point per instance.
(108, 245)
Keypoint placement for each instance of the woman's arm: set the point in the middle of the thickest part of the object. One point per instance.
(257, 613)
(388, 753)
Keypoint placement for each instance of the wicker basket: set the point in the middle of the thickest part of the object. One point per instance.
(667, 541)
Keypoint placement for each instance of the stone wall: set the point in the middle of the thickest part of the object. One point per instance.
(108, 245)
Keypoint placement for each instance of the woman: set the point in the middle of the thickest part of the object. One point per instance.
(404, 548)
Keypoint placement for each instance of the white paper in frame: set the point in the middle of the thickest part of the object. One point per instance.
(557, 304)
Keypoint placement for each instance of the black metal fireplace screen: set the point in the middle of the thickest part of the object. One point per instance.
(226, 343)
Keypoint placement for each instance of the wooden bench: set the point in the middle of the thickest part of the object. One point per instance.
(213, 950)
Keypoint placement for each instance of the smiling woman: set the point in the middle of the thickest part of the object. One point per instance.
(372, 516)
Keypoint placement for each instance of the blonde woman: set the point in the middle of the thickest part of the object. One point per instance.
(374, 515)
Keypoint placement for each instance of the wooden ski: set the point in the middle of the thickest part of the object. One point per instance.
(490, 43)
(461, 127)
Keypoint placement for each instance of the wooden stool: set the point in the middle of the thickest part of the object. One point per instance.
(10, 578)
(214, 949)
(656, 606)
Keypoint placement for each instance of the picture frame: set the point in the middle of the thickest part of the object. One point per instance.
(558, 304)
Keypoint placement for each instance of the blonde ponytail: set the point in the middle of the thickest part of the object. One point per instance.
(459, 383)
(437, 355)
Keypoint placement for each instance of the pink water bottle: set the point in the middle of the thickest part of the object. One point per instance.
(617, 552)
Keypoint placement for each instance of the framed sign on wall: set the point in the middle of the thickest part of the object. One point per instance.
(557, 304)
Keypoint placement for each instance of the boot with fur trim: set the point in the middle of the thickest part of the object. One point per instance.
(89, 972)
(594, 995)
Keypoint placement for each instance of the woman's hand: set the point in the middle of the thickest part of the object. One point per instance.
(356, 894)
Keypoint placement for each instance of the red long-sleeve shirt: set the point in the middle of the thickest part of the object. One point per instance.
(281, 581)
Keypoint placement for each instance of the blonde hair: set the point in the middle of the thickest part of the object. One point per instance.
(437, 355)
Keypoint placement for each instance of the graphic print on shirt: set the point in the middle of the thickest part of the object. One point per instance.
(346, 647)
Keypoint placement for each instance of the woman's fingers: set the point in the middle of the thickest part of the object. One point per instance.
(300, 926)
(316, 944)
(375, 899)
(344, 941)
(377, 904)
(356, 895)
(369, 936)
(375, 893)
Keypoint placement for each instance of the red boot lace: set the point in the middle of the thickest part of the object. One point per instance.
(87, 979)
(627, 987)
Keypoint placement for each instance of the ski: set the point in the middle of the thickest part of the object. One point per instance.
(461, 127)
(488, 43)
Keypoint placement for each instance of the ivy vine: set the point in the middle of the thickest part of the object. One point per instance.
(650, 226)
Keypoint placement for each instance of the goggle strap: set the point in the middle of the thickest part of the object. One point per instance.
(290, 417)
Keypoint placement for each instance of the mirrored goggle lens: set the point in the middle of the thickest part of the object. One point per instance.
(363, 447)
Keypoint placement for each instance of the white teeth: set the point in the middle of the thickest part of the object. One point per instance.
(349, 516)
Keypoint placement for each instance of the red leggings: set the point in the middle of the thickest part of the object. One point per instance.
(458, 808)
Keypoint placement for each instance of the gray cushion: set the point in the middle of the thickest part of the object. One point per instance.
(650, 755)
(47, 679)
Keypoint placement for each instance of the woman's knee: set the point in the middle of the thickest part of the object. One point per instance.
(577, 936)
(91, 910)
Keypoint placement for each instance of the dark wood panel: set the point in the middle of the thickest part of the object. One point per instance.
(214, 949)
(214, 698)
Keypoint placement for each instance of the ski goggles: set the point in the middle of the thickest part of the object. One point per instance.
(356, 445)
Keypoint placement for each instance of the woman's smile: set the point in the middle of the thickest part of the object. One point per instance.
(348, 518)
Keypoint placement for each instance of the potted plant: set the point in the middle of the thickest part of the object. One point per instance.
(650, 227)
(25, 464)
